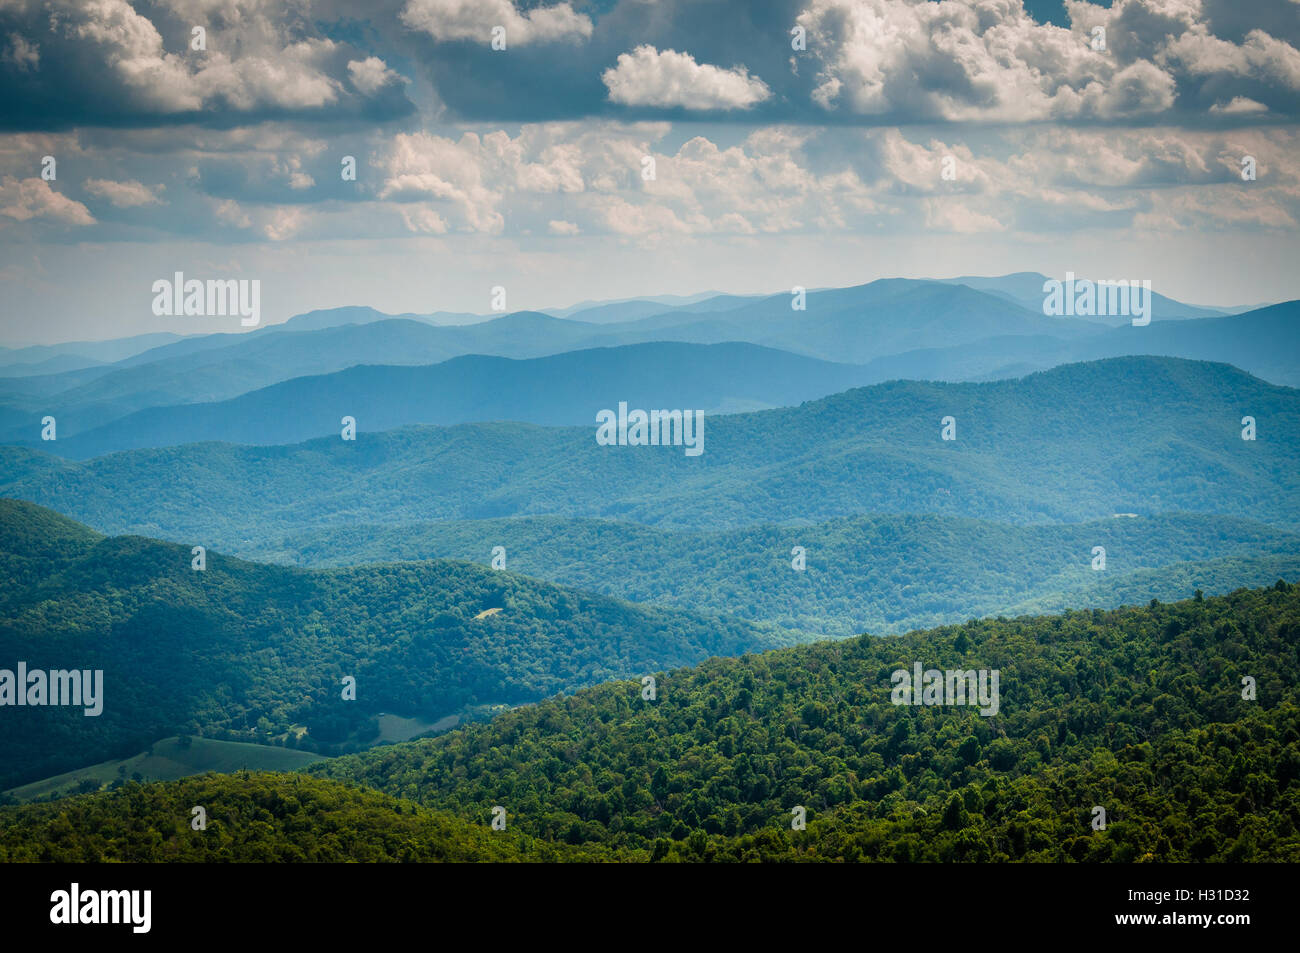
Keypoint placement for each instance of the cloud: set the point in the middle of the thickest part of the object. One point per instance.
(28, 199)
(1238, 106)
(283, 223)
(21, 53)
(425, 167)
(989, 61)
(475, 19)
(127, 194)
(103, 62)
(371, 75)
(649, 77)
(228, 212)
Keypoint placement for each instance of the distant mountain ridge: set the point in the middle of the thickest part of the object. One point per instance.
(563, 389)
(1078, 442)
(895, 328)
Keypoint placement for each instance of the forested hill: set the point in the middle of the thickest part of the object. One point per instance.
(880, 574)
(260, 818)
(1085, 441)
(1139, 711)
(244, 651)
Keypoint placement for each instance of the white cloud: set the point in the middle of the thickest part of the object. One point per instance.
(127, 194)
(371, 75)
(283, 223)
(650, 77)
(1239, 105)
(474, 20)
(228, 212)
(990, 61)
(27, 199)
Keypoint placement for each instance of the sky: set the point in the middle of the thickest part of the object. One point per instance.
(593, 150)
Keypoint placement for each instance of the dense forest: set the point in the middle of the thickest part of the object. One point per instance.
(877, 574)
(259, 817)
(1137, 710)
(243, 651)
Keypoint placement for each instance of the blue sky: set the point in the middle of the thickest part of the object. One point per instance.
(793, 143)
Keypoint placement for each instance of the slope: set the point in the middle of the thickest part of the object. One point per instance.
(242, 651)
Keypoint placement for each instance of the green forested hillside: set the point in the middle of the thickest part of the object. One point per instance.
(1139, 711)
(259, 817)
(246, 652)
(1080, 442)
(878, 574)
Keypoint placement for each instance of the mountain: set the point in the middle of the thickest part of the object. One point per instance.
(851, 325)
(243, 651)
(1079, 442)
(562, 389)
(223, 366)
(1025, 288)
(87, 352)
(896, 329)
(1140, 711)
(337, 317)
(879, 574)
(1264, 342)
(862, 323)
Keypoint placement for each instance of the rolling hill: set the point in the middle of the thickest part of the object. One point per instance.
(878, 574)
(1139, 710)
(1079, 442)
(241, 651)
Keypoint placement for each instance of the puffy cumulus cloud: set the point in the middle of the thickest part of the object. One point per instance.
(420, 167)
(26, 200)
(371, 75)
(468, 180)
(128, 194)
(103, 62)
(668, 79)
(1238, 210)
(475, 19)
(988, 60)
(276, 223)
(585, 178)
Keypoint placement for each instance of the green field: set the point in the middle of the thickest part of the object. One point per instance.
(168, 760)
